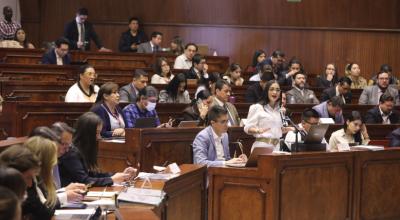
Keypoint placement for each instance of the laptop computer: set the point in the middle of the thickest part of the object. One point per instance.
(188, 124)
(316, 134)
(77, 214)
(252, 160)
(145, 122)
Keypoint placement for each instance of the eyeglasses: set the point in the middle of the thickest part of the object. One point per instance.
(222, 122)
(274, 89)
(90, 74)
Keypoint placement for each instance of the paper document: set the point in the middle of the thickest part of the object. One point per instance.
(156, 176)
(369, 147)
(139, 195)
(100, 194)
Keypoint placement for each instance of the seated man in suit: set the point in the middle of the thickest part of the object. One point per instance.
(211, 145)
(59, 55)
(309, 117)
(342, 89)
(383, 113)
(199, 69)
(184, 61)
(128, 93)
(331, 109)
(254, 92)
(299, 94)
(130, 39)
(79, 32)
(153, 45)
(222, 94)
(371, 94)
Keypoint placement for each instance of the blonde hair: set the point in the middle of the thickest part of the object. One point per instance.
(46, 151)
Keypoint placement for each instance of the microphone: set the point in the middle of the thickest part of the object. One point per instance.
(283, 117)
(301, 131)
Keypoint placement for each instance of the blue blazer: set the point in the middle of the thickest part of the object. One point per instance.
(103, 114)
(204, 151)
(50, 58)
(322, 110)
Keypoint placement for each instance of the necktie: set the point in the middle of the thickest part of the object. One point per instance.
(230, 118)
(82, 27)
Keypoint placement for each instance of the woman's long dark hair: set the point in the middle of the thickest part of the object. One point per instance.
(172, 87)
(255, 56)
(335, 78)
(26, 42)
(264, 99)
(354, 115)
(158, 66)
(85, 139)
(106, 89)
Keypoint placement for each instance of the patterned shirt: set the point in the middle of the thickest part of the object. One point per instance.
(8, 29)
(133, 112)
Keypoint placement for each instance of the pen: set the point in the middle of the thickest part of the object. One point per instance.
(102, 194)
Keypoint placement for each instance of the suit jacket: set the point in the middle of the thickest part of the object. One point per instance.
(127, 93)
(254, 93)
(369, 95)
(374, 116)
(322, 110)
(395, 138)
(51, 58)
(294, 96)
(146, 48)
(232, 111)
(103, 114)
(33, 208)
(204, 151)
(126, 40)
(73, 169)
(324, 83)
(72, 34)
(330, 92)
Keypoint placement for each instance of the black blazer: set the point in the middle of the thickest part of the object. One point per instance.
(254, 93)
(102, 113)
(33, 208)
(73, 169)
(191, 113)
(72, 34)
(324, 83)
(50, 58)
(374, 116)
(330, 92)
(191, 74)
(126, 40)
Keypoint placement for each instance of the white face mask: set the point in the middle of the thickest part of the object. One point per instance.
(151, 106)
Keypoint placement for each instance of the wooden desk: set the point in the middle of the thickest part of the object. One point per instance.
(185, 197)
(342, 185)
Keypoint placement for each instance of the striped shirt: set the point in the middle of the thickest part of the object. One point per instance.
(8, 29)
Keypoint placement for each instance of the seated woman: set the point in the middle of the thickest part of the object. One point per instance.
(232, 75)
(329, 77)
(84, 90)
(353, 132)
(80, 163)
(352, 71)
(42, 197)
(177, 46)
(108, 110)
(199, 108)
(20, 37)
(176, 91)
(163, 72)
(258, 57)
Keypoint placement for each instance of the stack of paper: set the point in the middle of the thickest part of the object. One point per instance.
(64, 214)
(156, 176)
(139, 195)
(369, 147)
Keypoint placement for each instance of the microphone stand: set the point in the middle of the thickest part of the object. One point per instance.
(297, 131)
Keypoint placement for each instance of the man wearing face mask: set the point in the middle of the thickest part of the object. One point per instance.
(145, 107)
(299, 94)
(58, 55)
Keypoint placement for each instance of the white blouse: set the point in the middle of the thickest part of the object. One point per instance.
(75, 94)
(340, 137)
(157, 79)
(264, 117)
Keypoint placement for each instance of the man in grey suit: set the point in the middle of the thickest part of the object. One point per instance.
(128, 93)
(371, 94)
(221, 98)
(331, 109)
(211, 145)
(299, 94)
(151, 46)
